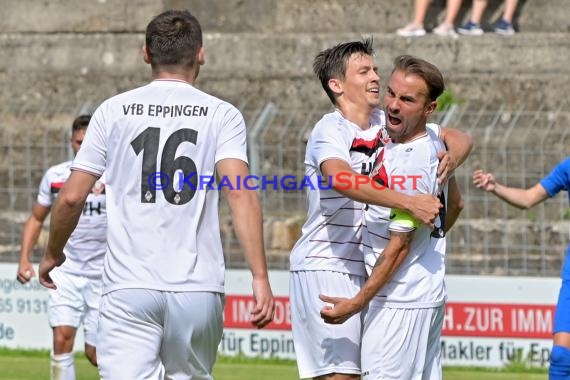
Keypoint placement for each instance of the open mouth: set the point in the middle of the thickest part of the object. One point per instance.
(393, 120)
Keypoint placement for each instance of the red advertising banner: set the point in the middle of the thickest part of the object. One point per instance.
(461, 318)
(498, 320)
(237, 313)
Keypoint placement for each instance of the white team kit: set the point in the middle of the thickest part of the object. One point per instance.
(164, 246)
(328, 258)
(79, 278)
(402, 327)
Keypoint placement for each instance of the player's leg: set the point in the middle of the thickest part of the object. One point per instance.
(432, 366)
(65, 310)
(92, 298)
(324, 351)
(62, 363)
(394, 343)
(193, 327)
(130, 334)
(560, 356)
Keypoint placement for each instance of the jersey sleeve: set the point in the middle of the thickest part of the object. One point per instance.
(558, 179)
(329, 142)
(232, 138)
(92, 156)
(45, 197)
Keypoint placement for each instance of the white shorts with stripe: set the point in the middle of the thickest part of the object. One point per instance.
(322, 348)
(75, 300)
(402, 344)
(151, 334)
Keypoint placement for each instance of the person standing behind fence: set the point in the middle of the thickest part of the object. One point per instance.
(161, 313)
(556, 181)
(79, 278)
(504, 26)
(328, 257)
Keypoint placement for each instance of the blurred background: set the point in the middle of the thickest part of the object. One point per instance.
(60, 58)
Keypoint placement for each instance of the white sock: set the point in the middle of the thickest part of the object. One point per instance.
(62, 367)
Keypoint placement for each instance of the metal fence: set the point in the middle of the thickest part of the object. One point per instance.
(518, 145)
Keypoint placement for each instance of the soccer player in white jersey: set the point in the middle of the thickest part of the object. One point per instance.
(77, 297)
(405, 293)
(328, 258)
(163, 297)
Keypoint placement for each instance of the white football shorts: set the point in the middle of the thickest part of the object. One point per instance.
(322, 348)
(152, 334)
(75, 300)
(402, 344)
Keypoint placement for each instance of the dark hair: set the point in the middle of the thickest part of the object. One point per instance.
(173, 38)
(425, 70)
(332, 62)
(80, 122)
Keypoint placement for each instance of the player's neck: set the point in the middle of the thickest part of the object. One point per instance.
(357, 115)
(185, 76)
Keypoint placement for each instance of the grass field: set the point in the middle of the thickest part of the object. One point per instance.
(33, 365)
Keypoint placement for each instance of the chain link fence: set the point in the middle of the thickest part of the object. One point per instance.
(519, 145)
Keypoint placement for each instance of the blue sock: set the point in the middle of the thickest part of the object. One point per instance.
(559, 363)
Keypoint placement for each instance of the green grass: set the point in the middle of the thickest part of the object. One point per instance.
(33, 365)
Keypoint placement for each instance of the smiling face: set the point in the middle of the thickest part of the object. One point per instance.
(407, 106)
(360, 87)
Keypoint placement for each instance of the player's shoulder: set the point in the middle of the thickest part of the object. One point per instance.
(334, 123)
(434, 130)
(565, 163)
(59, 169)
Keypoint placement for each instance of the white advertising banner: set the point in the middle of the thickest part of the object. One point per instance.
(489, 321)
(23, 313)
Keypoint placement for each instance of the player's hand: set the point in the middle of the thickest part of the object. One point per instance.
(484, 181)
(425, 208)
(25, 272)
(264, 308)
(341, 311)
(447, 164)
(46, 265)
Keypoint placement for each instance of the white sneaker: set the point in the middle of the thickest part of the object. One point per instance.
(445, 30)
(411, 30)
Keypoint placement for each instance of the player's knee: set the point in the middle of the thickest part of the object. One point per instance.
(62, 343)
(91, 354)
(559, 363)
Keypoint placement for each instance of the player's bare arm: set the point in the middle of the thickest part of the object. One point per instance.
(32, 229)
(248, 224)
(454, 204)
(386, 265)
(425, 207)
(64, 217)
(459, 145)
(521, 198)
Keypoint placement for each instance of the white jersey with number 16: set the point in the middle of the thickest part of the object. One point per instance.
(156, 144)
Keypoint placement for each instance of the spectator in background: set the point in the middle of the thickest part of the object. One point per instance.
(504, 26)
(79, 278)
(445, 29)
(555, 182)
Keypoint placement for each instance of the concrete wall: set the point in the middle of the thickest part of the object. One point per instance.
(262, 50)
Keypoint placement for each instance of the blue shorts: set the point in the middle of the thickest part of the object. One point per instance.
(562, 314)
